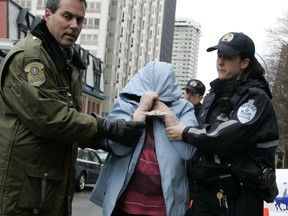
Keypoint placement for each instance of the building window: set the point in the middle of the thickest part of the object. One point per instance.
(93, 7)
(91, 23)
(119, 62)
(120, 47)
(117, 79)
(132, 42)
(88, 39)
(123, 16)
(41, 5)
(24, 3)
(89, 106)
(93, 106)
(97, 71)
(97, 108)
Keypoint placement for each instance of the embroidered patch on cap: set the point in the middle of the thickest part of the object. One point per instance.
(246, 112)
(227, 37)
(193, 83)
(35, 73)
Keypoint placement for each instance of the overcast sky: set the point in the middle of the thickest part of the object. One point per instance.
(217, 17)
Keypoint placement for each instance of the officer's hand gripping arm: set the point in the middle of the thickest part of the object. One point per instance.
(125, 132)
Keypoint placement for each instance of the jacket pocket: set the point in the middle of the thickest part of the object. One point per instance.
(49, 174)
(39, 189)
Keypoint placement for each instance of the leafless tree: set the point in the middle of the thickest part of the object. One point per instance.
(276, 58)
(277, 38)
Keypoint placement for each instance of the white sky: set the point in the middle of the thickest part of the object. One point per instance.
(217, 17)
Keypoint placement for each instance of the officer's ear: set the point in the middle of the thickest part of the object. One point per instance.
(245, 63)
(47, 15)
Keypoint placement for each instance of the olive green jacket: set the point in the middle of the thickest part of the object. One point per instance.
(40, 124)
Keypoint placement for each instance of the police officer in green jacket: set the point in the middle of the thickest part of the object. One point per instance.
(40, 119)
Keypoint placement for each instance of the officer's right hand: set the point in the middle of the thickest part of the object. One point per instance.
(175, 132)
(121, 131)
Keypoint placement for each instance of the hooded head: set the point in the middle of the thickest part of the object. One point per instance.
(155, 76)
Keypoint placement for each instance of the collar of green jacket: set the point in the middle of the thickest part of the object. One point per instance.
(52, 47)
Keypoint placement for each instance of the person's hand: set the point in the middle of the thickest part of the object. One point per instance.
(121, 131)
(147, 100)
(146, 103)
(175, 132)
(169, 118)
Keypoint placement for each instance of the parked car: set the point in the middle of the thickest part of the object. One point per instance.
(88, 167)
(6, 44)
(102, 154)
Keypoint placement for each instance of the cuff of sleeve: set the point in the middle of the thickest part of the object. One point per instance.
(185, 131)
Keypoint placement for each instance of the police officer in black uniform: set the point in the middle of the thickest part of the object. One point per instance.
(194, 91)
(234, 169)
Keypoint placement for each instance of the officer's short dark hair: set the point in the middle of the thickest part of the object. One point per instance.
(52, 5)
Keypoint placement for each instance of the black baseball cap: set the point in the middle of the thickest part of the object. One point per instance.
(234, 43)
(195, 86)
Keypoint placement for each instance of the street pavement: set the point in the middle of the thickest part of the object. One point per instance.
(82, 206)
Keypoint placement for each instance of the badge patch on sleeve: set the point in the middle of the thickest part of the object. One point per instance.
(35, 73)
(246, 112)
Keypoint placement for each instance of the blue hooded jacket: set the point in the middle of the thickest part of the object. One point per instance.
(171, 155)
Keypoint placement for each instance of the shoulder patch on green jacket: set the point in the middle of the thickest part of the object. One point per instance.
(35, 73)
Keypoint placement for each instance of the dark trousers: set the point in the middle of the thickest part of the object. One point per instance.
(205, 203)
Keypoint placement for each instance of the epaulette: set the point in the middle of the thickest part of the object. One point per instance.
(32, 48)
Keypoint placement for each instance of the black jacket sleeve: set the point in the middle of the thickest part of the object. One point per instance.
(253, 122)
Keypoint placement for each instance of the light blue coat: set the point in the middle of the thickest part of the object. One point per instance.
(171, 155)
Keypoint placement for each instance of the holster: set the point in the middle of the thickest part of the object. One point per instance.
(265, 185)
